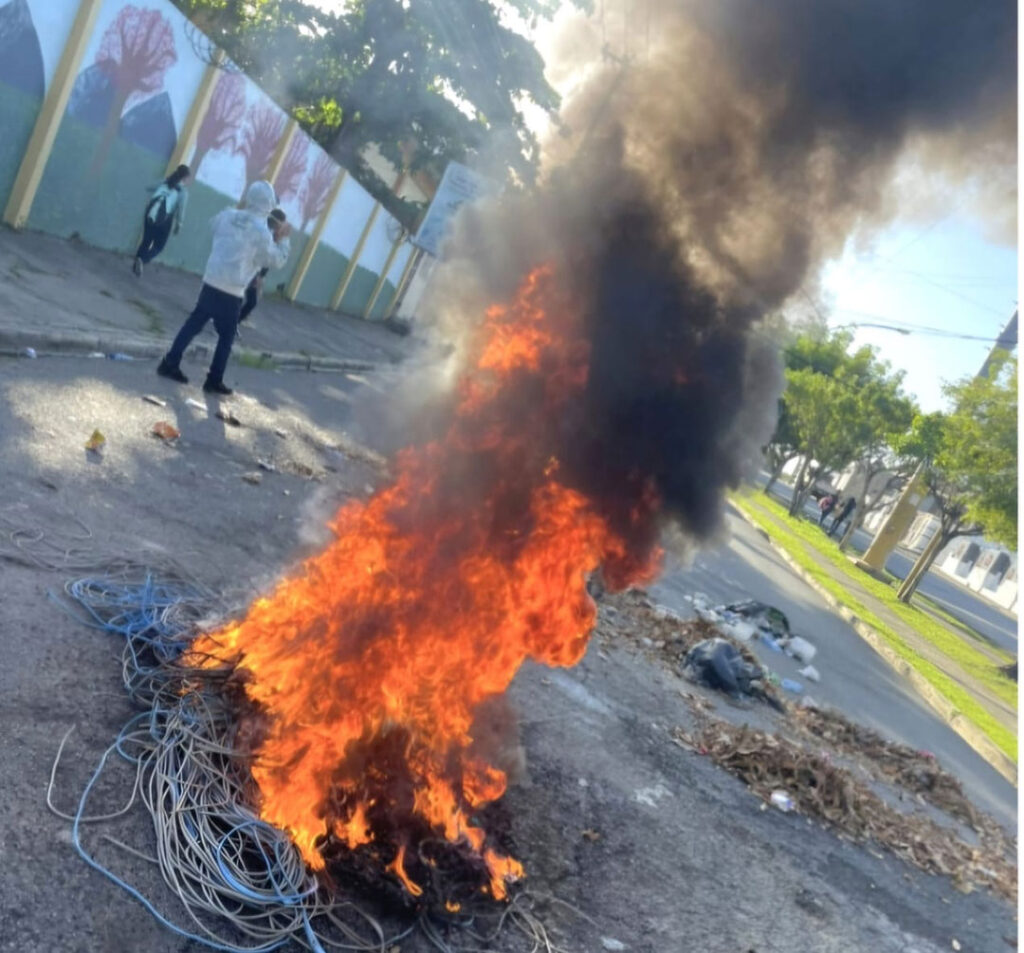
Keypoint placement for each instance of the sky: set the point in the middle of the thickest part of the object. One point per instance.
(944, 274)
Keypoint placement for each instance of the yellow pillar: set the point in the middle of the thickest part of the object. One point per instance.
(274, 169)
(417, 253)
(382, 277)
(895, 525)
(196, 113)
(314, 240)
(40, 144)
(346, 278)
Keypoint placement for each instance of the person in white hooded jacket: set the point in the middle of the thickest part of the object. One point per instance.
(242, 245)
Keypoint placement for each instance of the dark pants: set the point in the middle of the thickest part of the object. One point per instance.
(838, 521)
(154, 237)
(249, 302)
(824, 516)
(223, 309)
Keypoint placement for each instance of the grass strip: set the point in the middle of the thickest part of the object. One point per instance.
(975, 663)
(780, 526)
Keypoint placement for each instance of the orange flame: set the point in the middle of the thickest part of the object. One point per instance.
(428, 601)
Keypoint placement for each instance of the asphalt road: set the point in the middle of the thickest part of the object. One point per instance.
(854, 678)
(988, 620)
(672, 847)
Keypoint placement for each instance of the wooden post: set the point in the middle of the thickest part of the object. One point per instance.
(196, 113)
(40, 144)
(274, 169)
(314, 240)
(417, 254)
(382, 277)
(346, 278)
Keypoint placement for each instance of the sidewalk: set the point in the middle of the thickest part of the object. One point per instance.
(995, 707)
(67, 297)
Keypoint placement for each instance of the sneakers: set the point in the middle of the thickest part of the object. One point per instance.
(171, 373)
(137, 267)
(217, 387)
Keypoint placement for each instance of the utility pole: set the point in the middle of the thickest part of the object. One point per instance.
(898, 521)
(1006, 341)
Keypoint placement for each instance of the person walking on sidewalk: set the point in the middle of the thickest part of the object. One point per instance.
(242, 245)
(252, 292)
(165, 213)
(846, 510)
(826, 504)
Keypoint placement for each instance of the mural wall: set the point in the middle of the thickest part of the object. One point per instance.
(32, 35)
(142, 70)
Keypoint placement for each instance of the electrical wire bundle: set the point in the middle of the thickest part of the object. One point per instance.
(242, 883)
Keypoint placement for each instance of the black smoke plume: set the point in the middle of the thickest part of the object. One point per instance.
(698, 191)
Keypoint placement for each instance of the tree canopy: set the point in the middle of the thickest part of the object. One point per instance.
(424, 80)
(838, 407)
(975, 466)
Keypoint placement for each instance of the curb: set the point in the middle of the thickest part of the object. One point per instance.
(14, 342)
(941, 705)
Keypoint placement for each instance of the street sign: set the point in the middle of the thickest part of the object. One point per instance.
(458, 186)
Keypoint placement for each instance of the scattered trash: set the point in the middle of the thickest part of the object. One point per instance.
(591, 835)
(254, 478)
(95, 354)
(119, 356)
(278, 432)
(738, 629)
(760, 614)
(790, 685)
(266, 465)
(808, 702)
(811, 673)
(718, 664)
(165, 431)
(768, 639)
(783, 801)
(287, 492)
(955, 943)
(610, 943)
(192, 402)
(228, 418)
(153, 399)
(96, 442)
(801, 649)
(368, 489)
(29, 352)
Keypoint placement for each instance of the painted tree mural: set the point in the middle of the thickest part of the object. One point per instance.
(289, 178)
(313, 198)
(222, 122)
(259, 139)
(135, 52)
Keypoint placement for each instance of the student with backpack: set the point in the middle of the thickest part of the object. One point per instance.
(165, 212)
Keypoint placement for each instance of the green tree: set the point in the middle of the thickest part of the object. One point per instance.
(971, 464)
(424, 80)
(817, 351)
(838, 407)
(884, 415)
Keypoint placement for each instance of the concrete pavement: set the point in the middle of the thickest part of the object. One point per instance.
(67, 297)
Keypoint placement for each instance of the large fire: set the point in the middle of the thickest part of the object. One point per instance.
(432, 595)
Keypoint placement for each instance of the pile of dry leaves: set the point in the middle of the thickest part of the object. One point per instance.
(824, 790)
